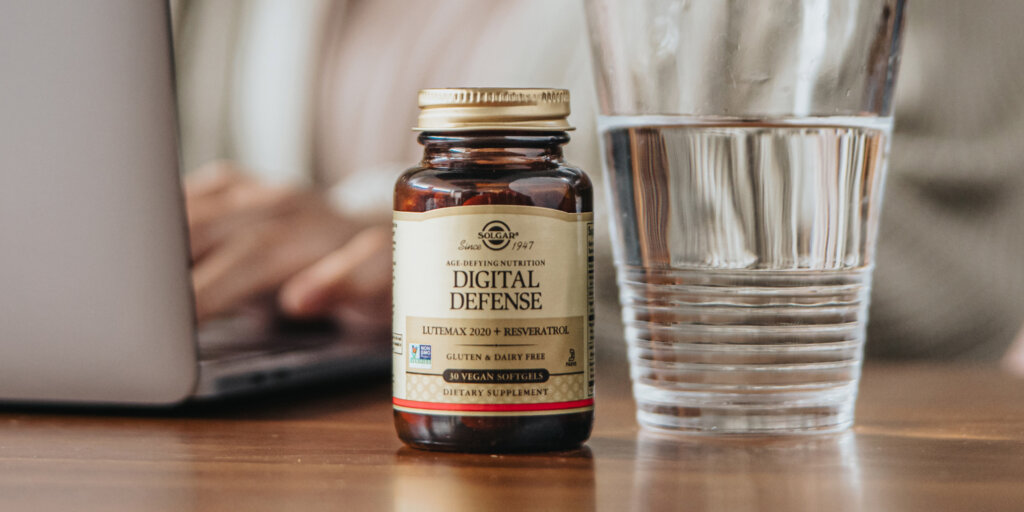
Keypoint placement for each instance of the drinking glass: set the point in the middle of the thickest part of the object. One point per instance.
(745, 147)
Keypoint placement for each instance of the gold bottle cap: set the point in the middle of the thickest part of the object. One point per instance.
(474, 108)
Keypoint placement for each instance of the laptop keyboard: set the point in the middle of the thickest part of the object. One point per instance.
(248, 336)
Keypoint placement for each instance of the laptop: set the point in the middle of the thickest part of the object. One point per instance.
(96, 304)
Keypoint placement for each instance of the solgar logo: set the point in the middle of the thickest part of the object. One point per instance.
(496, 235)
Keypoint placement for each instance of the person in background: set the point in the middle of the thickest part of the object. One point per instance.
(297, 117)
(304, 110)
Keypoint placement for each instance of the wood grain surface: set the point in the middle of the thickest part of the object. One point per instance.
(927, 438)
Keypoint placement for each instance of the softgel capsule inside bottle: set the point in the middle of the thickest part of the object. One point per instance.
(493, 277)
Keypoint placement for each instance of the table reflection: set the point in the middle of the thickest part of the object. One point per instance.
(431, 481)
(704, 473)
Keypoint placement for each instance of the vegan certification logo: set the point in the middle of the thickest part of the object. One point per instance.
(496, 235)
(419, 355)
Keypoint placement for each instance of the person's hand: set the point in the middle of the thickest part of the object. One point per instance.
(249, 239)
(1014, 358)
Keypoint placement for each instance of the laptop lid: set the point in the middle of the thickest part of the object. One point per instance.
(95, 304)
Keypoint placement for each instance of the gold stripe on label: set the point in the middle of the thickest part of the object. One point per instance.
(495, 209)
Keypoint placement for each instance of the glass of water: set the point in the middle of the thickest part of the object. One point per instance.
(745, 149)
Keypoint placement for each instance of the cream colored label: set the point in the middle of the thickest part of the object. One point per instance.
(493, 311)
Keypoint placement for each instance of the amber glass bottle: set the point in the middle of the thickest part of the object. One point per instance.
(493, 284)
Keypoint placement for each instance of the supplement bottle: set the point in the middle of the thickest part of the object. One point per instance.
(493, 277)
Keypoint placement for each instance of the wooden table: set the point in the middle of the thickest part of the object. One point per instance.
(927, 438)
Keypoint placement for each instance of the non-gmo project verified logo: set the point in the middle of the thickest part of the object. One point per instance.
(419, 355)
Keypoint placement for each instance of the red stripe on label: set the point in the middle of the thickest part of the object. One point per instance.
(438, 406)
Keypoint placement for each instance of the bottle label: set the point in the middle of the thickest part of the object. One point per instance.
(493, 311)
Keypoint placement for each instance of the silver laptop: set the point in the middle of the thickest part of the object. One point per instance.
(95, 297)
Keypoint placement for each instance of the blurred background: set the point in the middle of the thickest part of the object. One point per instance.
(305, 108)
